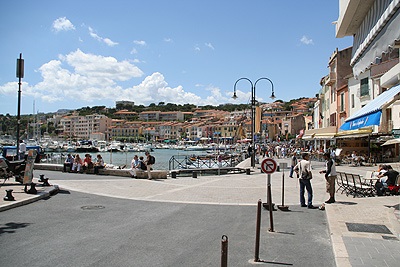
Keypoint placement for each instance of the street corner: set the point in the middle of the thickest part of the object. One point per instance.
(16, 195)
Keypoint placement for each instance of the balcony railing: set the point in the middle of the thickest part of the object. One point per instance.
(331, 78)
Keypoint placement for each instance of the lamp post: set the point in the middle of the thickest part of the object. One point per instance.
(253, 107)
(20, 75)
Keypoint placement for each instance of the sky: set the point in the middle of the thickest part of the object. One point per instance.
(94, 53)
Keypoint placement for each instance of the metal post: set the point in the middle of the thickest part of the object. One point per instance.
(269, 199)
(20, 75)
(258, 226)
(224, 251)
(253, 122)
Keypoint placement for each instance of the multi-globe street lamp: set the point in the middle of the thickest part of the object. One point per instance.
(253, 107)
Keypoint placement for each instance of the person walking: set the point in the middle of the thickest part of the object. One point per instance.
(303, 168)
(293, 163)
(149, 163)
(330, 177)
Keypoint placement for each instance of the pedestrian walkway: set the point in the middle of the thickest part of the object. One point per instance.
(364, 231)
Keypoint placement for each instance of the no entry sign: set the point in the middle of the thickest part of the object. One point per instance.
(268, 165)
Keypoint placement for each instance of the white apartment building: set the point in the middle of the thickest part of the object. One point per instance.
(81, 127)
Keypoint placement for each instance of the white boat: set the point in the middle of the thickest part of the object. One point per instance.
(115, 146)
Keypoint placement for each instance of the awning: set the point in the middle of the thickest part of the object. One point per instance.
(391, 142)
(376, 35)
(354, 133)
(320, 133)
(371, 113)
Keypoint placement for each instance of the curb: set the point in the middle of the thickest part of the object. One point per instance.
(33, 198)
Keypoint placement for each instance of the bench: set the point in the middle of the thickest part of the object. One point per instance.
(156, 174)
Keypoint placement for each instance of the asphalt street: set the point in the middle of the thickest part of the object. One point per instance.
(79, 229)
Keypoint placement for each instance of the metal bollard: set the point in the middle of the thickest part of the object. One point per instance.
(194, 174)
(46, 182)
(248, 171)
(9, 196)
(258, 227)
(224, 251)
(32, 190)
(173, 174)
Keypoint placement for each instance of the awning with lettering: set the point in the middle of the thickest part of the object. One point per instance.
(371, 113)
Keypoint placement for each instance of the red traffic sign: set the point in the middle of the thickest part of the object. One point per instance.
(268, 165)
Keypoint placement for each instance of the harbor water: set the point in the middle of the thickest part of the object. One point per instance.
(121, 159)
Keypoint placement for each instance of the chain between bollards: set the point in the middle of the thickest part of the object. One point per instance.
(224, 251)
(258, 226)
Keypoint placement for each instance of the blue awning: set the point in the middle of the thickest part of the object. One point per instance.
(371, 113)
(364, 121)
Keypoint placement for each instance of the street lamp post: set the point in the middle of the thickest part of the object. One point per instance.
(253, 108)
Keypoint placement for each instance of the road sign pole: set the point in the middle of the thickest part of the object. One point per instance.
(269, 200)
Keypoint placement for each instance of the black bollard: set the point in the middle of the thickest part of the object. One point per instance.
(46, 182)
(173, 174)
(248, 171)
(32, 190)
(258, 228)
(224, 251)
(41, 178)
(9, 196)
(194, 174)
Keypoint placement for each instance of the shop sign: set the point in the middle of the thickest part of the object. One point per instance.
(396, 133)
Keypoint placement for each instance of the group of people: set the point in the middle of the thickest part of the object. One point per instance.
(76, 164)
(140, 164)
(303, 171)
(386, 177)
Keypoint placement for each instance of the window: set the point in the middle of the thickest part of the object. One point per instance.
(341, 102)
(352, 101)
(364, 89)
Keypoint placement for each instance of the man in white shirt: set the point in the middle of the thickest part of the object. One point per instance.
(22, 149)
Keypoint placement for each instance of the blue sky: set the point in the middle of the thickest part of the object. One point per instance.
(91, 53)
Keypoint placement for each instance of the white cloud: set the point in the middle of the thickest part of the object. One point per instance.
(305, 40)
(209, 45)
(141, 42)
(87, 78)
(107, 41)
(62, 24)
(168, 40)
(196, 48)
(134, 51)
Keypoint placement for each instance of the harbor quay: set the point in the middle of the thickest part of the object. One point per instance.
(354, 231)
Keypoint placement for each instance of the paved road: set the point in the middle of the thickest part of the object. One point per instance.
(105, 220)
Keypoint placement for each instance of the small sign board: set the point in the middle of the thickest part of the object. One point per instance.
(268, 165)
(28, 176)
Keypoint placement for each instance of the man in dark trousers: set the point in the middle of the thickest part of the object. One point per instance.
(330, 177)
